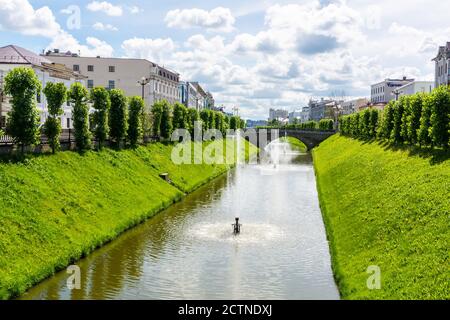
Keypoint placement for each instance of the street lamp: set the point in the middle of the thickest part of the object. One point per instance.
(143, 82)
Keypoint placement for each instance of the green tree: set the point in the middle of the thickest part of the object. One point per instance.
(101, 105)
(78, 96)
(405, 101)
(157, 111)
(166, 121)
(56, 95)
(234, 123)
(118, 114)
(373, 123)
(423, 134)
(23, 85)
(136, 108)
(180, 113)
(387, 121)
(212, 120)
(219, 122)
(204, 116)
(193, 116)
(440, 116)
(415, 105)
(399, 109)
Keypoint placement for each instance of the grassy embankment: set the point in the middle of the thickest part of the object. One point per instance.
(55, 209)
(295, 144)
(389, 208)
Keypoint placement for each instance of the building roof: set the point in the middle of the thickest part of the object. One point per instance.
(12, 54)
(443, 50)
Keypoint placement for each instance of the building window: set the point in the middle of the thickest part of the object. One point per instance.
(76, 67)
(112, 69)
(90, 84)
(111, 84)
(90, 68)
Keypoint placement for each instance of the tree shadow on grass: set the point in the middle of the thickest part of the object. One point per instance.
(435, 155)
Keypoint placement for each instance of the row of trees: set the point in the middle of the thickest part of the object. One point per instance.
(422, 119)
(123, 120)
(166, 118)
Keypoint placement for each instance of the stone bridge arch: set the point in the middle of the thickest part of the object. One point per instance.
(265, 136)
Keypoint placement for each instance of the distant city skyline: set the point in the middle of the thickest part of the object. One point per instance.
(252, 54)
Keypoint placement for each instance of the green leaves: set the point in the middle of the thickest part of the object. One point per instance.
(101, 104)
(78, 96)
(136, 108)
(23, 122)
(118, 115)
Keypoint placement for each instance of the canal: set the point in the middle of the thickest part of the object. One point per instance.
(189, 251)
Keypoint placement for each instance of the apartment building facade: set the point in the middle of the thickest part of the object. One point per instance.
(386, 91)
(442, 68)
(123, 73)
(356, 105)
(323, 109)
(12, 56)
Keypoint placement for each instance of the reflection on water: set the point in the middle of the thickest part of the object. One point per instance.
(189, 251)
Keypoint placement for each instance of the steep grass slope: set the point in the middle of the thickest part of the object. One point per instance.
(386, 208)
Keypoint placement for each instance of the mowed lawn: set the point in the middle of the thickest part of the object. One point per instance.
(389, 208)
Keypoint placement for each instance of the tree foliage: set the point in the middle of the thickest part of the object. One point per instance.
(56, 95)
(78, 97)
(135, 131)
(118, 114)
(101, 104)
(23, 85)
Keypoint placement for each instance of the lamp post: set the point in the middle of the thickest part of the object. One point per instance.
(143, 82)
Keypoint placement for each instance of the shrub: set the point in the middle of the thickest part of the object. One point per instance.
(180, 120)
(23, 122)
(424, 130)
(118, 114)
(415, 112)
(166, 120)
(156, 112)
(387, 121)
(439, 119)
(56, 95)
(78, 96)
(135, 130)
(101, 105)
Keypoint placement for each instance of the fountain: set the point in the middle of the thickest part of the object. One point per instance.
(236, 227)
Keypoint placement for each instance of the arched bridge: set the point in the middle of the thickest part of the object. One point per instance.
(262, 137)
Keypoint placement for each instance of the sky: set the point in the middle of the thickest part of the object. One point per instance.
(253, 54)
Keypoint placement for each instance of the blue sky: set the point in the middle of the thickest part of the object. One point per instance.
(251, 54)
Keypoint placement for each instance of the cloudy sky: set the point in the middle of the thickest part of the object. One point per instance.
(253, 54)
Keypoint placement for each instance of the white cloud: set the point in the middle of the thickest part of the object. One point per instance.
(20, 16)
(219, 19)
(93, 47)
(105, 7)
(134, 9)
(104, 27)
(153, 49)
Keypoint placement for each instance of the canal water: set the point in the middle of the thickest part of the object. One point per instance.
(189, 250)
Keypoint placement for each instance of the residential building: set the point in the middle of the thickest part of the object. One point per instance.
(356, 105)
(385, 91)
(124, 74)
(210, 102)
(278, 114)
(442, 69)
(192, 95)
(416, 87)
(323, 109)
(12, 56)
(306, 113)
(295, 116)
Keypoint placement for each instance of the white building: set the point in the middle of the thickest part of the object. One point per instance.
(278, 114)
(384, 92)
(295, 116)
(442, 60)
(13, 56)
(356, 105)
(192, 95)
(306, 114)
(416, 87)
(124, 74)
